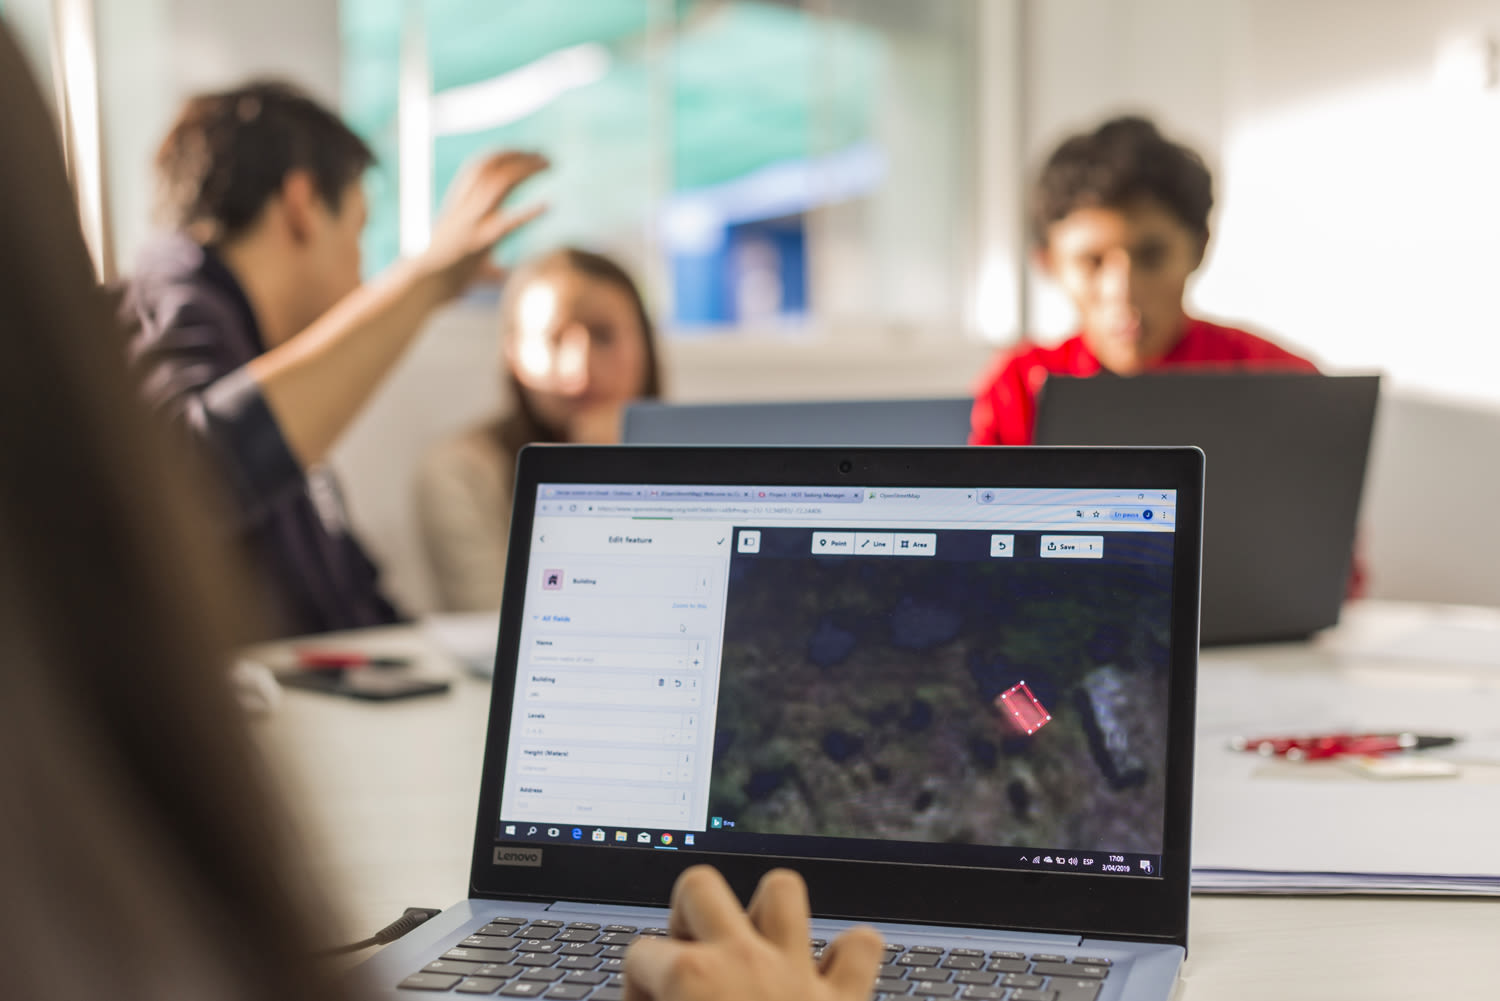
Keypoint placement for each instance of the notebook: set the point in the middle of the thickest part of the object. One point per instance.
(937, 421)
(926, 679)
(1286, 468)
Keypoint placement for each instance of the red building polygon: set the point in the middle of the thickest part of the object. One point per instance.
(1021, 710)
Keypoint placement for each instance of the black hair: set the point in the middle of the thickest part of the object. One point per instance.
(229, 152)
(1124, 160)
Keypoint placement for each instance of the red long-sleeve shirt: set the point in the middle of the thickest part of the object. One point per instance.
(1005, 404)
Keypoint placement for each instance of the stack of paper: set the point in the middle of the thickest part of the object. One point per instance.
(1432, 635)
(1244, 881)
(1270, 826)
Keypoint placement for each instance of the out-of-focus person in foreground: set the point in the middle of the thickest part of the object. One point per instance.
(137, 812)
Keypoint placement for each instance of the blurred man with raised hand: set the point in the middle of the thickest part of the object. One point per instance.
(252, 329)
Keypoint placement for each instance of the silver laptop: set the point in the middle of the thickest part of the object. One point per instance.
(930, 680)
(936, 421)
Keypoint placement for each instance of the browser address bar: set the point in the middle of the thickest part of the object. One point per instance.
(1115, 516)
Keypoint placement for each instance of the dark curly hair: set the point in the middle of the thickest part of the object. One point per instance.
(228, 153)
(1122, 161)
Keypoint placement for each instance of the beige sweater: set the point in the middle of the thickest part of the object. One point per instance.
(464, 487)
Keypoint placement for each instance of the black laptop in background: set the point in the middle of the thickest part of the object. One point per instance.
(1286, 456)
(935, 421)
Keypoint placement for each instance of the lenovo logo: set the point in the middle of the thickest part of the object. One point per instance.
(529, 857)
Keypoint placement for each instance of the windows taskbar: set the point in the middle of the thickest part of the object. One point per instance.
(1084, 862)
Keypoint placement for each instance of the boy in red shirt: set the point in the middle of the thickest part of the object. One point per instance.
(1120, 221)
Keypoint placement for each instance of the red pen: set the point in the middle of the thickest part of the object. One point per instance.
(1335, 745)
(337, 660)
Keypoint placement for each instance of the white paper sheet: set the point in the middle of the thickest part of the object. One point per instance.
(1431, 635)
(1264, 825)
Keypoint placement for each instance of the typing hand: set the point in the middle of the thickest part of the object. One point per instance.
(472, 220)
(719, 952)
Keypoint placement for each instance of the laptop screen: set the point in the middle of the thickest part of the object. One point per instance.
(967, 677)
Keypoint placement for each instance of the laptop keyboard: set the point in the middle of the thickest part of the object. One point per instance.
(583, 961)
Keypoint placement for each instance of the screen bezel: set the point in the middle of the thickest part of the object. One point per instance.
(1145, 909)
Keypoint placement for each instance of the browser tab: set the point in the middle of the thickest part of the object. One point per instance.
(602, 491)
(700, 493)
(825, 495)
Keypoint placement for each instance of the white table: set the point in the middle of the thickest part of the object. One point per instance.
(387, 796)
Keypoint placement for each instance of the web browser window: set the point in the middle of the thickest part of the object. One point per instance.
(844, 672)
